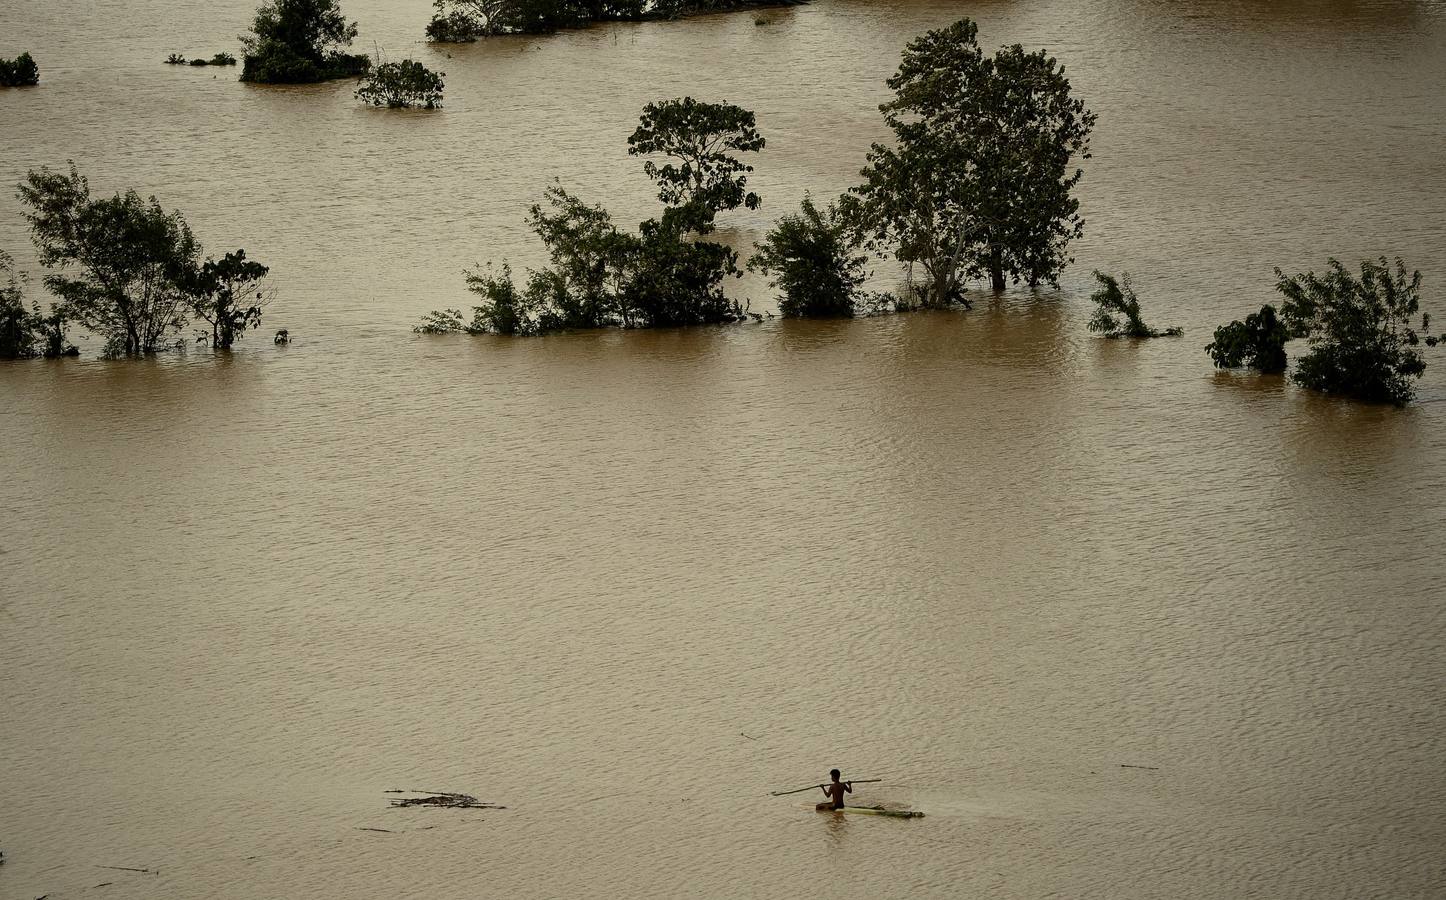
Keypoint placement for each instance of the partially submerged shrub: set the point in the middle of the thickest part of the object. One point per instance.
(1256, 343)
(1362, 342)
(26, 333)
(220, 59)
(813, 263)
(402, 85)
(19, 72)
(1117, 299)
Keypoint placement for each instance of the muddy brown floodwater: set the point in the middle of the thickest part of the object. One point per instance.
(984, 555)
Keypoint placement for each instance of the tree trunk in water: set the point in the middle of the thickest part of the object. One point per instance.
(996, 271)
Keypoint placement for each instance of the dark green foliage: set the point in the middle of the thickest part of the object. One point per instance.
(1117, 298)
(19, 72)
(814, 264)
(590, 264)
(18, 325)
(27, 333)
(1258, 343)
(979, 181)
(454, 27)
(1362, 343)
(130, 271)
(675, 281)
(599, 277)
(700, 138)
(228, 295)
(300, 41)
(402, 85)
(220, 59)
(124, 263)
(467, 20)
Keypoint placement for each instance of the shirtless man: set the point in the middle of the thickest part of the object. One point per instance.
(835, 791)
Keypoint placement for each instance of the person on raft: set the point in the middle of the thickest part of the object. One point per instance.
(835, 791)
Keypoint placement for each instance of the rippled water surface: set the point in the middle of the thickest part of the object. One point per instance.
(626, 584)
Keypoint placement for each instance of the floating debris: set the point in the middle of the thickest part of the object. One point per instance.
(444, 799)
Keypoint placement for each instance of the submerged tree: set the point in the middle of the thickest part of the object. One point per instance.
(124, 264)
(1257, 343)
(1115, 299)
(228, 294)
(980, 179)
(402, 85)
(813, 263)
(300, 41)
(703, 178)
(19, 72)
(1360, 333)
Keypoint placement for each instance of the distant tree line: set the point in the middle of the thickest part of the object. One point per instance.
(125, 269)
(467, 20)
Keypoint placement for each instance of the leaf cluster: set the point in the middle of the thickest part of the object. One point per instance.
(402, 85)
(19, 72)
(1117, 310)
(299, 42)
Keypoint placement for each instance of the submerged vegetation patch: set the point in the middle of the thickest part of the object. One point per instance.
(19, 72)
(220, 59)
(462, 21)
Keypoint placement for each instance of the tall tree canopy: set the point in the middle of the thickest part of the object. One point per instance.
(300, 41)
(980, 179)
(125, 265)
(703, 177)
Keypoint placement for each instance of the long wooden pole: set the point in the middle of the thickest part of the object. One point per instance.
(812, 786)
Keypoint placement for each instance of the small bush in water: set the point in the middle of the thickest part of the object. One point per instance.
(1115, 299)
(402, 85)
